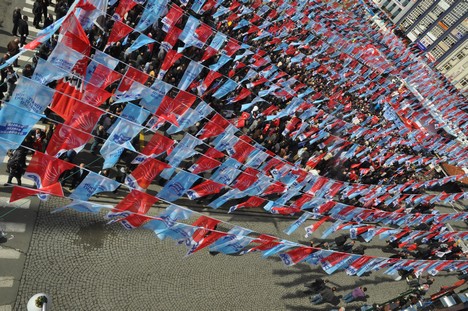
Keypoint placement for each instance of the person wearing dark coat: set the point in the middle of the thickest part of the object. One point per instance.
(16, 21)
(16, 165)
(23, 30)
(78, 175)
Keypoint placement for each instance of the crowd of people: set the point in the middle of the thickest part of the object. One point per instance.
(327, 116)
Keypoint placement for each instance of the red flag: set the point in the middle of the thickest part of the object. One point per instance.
(119, 31)
(182, 102)
(22, 192)
(94, 95)
(204, 164)
(214, 127)
(131, 75)
(296, 255)
(74, 42)
(210, 77)
(103, 76)
(172, 17)
(213, 153)
(203, 32)
(63, 103)
(246, 179)
(171, 57)
(206, 241)
(87, 6)
(45, 170)
(171, 38)
(242, 150)
(266, 242)
(243, 94)
(277, 187)
(133, 221)
(123, 8)
(312, 228)
(205, 223)
(157, 145)
(84, 117)
(209, 52)
(250, 203)
(144, 174)
(66, 138)
(205, 188)
(319, 183)
(78, 36)
(136, 202)
(232, 47)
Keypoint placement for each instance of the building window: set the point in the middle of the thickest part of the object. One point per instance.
(447, 67)
(460, 55)
(463, 82)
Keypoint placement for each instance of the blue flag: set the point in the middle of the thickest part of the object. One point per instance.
(223, 59)
(31, 95)
(64, 57)
(133, 93)
(45, 72)
(174, 213)
(233, 243)
(218, 41)
(6, 145)
(151, 97)
(177, 186)
(138, 43)
(190, 117)
(119, 139)
(153, 10)
(278, 248)
(178, 231)
(83, 207)
(132, 113)
(231, 194)
(295, 225)
(93, 184)
(15, 123)
(227, 87)
(192, 71)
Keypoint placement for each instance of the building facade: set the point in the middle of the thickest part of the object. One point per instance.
(439, 29)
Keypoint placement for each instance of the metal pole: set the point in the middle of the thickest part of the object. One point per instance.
(44, 306)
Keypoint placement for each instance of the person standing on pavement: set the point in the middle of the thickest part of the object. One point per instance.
(16, 21)
(16, 165)
(37, 11)
(23, 29)
(13, 49)
(357, 293)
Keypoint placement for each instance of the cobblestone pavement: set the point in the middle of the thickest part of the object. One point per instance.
(85, 264)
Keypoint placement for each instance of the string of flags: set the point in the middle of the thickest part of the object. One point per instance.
(241, 168)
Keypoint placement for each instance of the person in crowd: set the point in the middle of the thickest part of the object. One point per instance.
(39, 137)
(37, 12)
(13, 48)
(357, 293)
(100, 135)
(326, 295)
(16, 165)
(78, 175)
(16, 21)
(23, 30)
